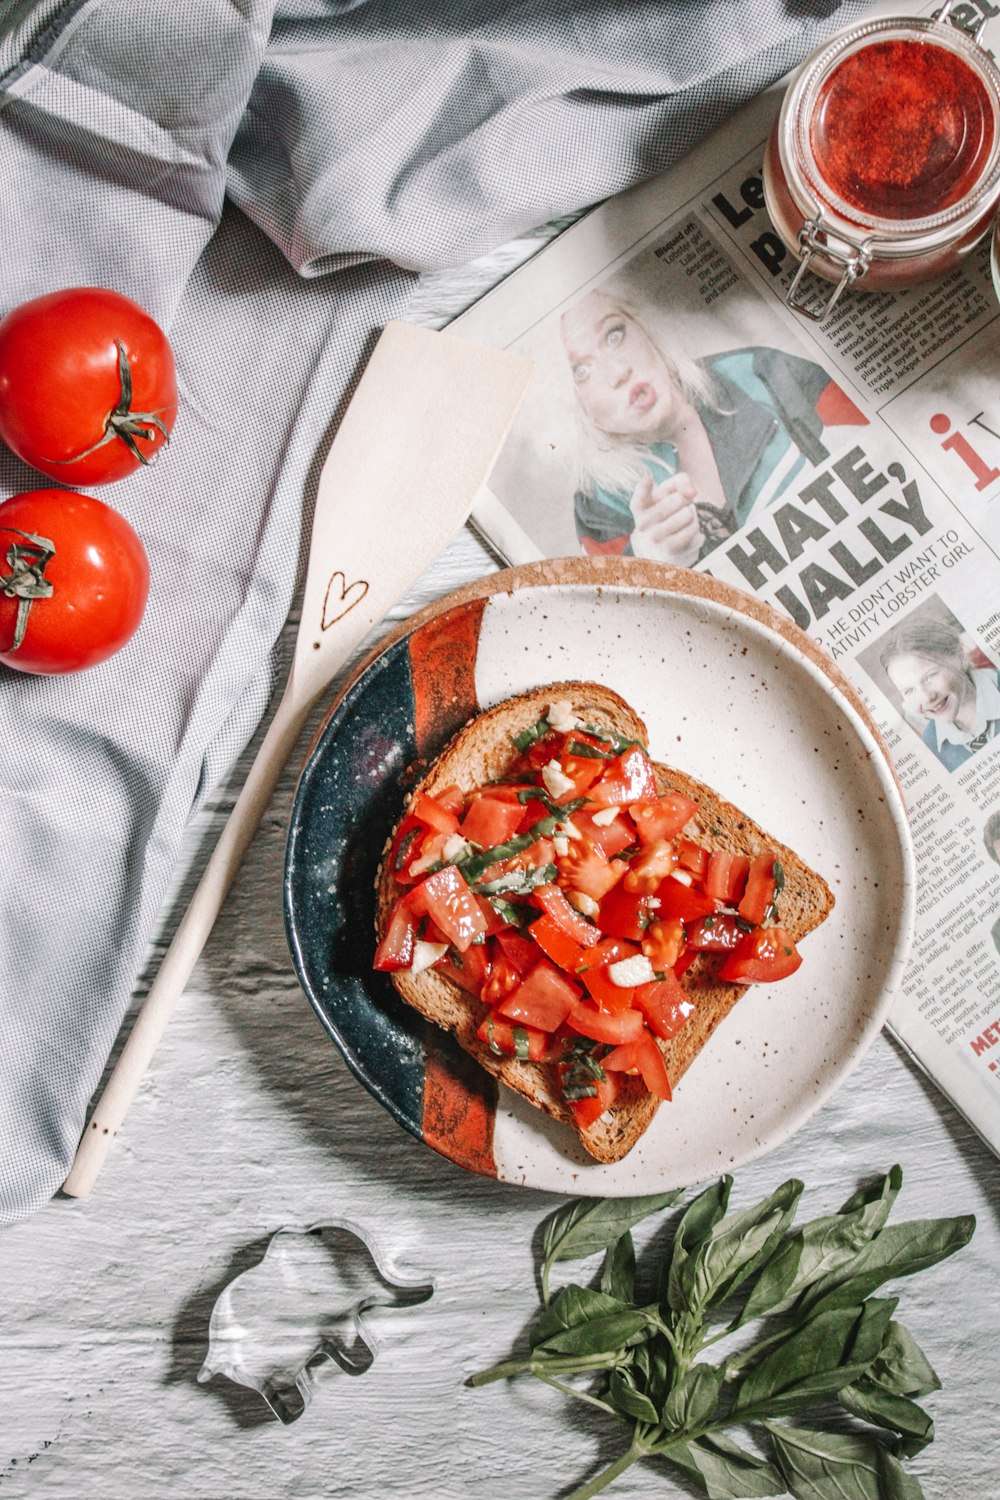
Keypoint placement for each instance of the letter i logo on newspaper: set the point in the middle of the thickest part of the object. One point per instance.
(983, 474)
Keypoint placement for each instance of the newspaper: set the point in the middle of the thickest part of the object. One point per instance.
(872, 521)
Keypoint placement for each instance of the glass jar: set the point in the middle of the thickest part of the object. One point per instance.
(884, 163)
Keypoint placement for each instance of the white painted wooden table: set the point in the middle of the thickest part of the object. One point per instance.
(250, 1121)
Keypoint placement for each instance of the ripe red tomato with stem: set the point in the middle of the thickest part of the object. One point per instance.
(88, 389)
(73, 581)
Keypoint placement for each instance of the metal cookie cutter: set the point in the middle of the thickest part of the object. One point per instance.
(302, 1311)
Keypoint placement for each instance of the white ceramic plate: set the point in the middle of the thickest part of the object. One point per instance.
(737, 697)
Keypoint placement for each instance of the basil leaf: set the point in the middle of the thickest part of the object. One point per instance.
(898, 1250)
(630, 1402)
(902, 1367)
(588, 752)
(617, 742)
(724, 1471)
(574, 1305)
(872, 1403)
(737, 1246)
(602, 1335)
(821, 1247)
(697, 1223)
(589, 1225)
(818, 1359)
(693, 1399)
(528, 736)
(618, 1274)
(848, 1465)
(475, 864)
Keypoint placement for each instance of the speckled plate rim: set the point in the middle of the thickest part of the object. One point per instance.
(635, 575)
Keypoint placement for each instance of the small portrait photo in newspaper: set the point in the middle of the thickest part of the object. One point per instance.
(669, 408)
(935, 673)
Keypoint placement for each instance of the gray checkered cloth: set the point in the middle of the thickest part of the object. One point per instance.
(267, 179)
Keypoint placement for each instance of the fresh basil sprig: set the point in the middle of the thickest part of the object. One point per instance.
(826, 1340)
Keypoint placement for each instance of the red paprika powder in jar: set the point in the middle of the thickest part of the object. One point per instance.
(884, 164)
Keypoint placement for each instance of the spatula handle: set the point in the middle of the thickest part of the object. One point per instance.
(186, 947)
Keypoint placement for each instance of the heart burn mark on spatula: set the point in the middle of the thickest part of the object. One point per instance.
(341, 597)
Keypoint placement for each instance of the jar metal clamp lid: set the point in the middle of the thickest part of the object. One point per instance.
(884, 163)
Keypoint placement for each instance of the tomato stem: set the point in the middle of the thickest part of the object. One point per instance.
(124, 424)
(26, 581)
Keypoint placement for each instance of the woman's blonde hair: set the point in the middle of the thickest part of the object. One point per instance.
(618, 464)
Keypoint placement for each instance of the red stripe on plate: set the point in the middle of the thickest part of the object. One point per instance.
(443, 672)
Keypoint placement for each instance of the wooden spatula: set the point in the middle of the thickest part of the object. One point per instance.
(417, 441)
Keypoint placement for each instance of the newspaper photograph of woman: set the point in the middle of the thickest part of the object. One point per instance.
(654, 428)
(941, 680)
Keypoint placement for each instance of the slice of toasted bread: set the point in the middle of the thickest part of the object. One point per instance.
(482, 752)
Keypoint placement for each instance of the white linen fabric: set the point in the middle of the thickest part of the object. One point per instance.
(266, 179)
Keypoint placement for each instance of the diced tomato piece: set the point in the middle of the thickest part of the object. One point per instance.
(491, 821)
(718, 934)
(494, 921)
(726, 875)
(395, 951)
(584, 868)
(685, 961)
(626, 779)
(537, 755)
(582, 770)
(662, 942)
(543, 999)
(626, 914)
(602, 988)
(693, 857)
(502, 979)
(641, 1056)
(760, 887)
(609, 838)
(427, 852)
(433, 814)
(519, 950)
(587, 1110)
(532, 812)
(650, 867)
(665, 1004)
(609, 950)
(552, 901)
(765, 954)
(541, 852)
(663, 817)
(470, 969)
(453, 907)
(603, 1025)
(679, 900)
(405, 844)
(512, 1041)
(452, 797)
(556, 944)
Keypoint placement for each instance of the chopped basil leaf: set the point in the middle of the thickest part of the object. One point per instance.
(529, 736)
(779, 877)
(589, 752)
(557, 809)
(406, 848)
(493, 1045)
(520, 1042)
(580, 1091)
(743, 924)
(617, 742)
(515, 915)
(474, 866)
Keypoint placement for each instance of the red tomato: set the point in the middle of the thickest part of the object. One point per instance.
(395, 951)
(542, 1000)
(502, 979)
(626, 914)
(765, 954)
(557, 945)
(641, 1056)
(433, 814)
(491, 821)
(584, 868)
(662, 942)
(590, 1108)
(726, 875)
(508, 1040)
(664, 818)
(99, 578)
(552, 901)
(88, 391)
(453, 907)
(679, 900)
(718, 934)
(604, 1025)
(608, 838)
(665, 1004)
(760, 887)
(628, 778)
